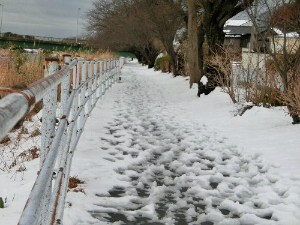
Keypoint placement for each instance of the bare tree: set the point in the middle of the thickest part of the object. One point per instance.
(165, 18)
(215, 15)
(282, 42)
(212, 16)
(122, 26)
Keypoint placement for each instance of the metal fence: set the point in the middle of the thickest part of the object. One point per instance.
(80, 84)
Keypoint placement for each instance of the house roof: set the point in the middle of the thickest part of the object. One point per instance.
(237, 30)
(280, 34)
(239, 27)
(235, 22)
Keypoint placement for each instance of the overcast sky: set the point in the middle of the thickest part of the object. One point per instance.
(54, 18)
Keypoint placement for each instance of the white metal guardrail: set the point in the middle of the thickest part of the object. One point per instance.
(82, 83)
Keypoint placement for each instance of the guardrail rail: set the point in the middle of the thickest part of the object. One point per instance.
(82, 83)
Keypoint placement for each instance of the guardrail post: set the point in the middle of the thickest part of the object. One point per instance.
(48, 129)
(65, 87)
(119, 69)
(115, 70)
(104, 75)
(109, 73)
(90, 86)
(101, 78)
(95, 78)
(49, 110)
(74, 86)
(65, 94)
(82, 94)
(97, 94)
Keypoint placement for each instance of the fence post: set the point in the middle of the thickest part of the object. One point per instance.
(82, 94)
(49, 110)
(48, 129)
(116, 70)
(65, 86)
(101, 78)
(104, 75)
(109, 72)
(65, 93)
(95, 78)
(90, 86)
(113, 71)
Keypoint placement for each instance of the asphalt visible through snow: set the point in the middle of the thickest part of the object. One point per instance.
(181, 173)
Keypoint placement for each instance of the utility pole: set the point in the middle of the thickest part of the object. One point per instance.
(77, 24)
(1, 20)
(254, 30)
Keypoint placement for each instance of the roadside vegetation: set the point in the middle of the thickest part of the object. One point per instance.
(18, 69)
(190, 36)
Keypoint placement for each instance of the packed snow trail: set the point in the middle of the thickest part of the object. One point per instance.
(157, 166)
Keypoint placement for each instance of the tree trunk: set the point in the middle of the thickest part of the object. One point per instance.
(152, 54)
(173, 57)
(138, 56)
(193, 44)
(214, 34)
(201, 39)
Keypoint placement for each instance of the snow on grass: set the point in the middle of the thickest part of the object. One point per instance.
(18, 169)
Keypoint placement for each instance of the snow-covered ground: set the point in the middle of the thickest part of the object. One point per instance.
(154, 153)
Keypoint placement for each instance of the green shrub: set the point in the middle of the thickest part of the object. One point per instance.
(162, 64)
(1, 203)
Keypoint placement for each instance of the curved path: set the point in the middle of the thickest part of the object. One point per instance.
(144, 161)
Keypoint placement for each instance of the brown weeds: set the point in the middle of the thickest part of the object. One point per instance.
(19, 69)
(73, 184)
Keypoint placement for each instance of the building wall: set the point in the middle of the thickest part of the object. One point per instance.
(292, 44)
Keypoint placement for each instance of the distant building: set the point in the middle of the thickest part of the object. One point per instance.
(237, 34)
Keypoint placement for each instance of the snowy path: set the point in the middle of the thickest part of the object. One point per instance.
(144, 161)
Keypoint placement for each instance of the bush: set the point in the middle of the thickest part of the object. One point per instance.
(292, 97)
(247, 85)
(162, 64)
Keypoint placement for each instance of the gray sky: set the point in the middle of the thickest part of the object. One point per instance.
(54, 18)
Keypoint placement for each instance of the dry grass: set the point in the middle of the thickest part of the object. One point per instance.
(92, 55)
(73, 184)
(18, 69)
(225, 78)
(292, 96)
(258, 87)
(25, 156)
(20, 146)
